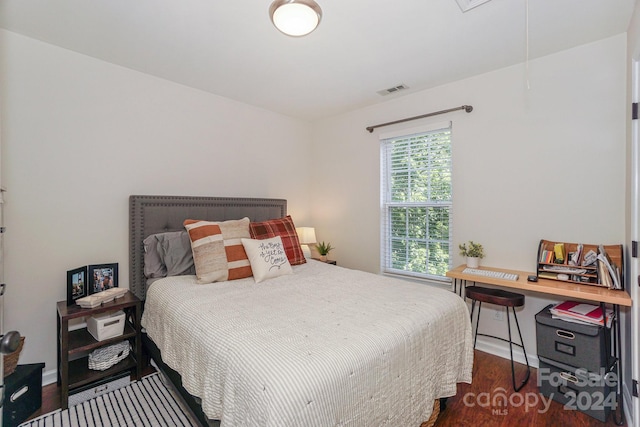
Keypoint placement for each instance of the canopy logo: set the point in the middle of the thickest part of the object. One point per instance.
(500, 402)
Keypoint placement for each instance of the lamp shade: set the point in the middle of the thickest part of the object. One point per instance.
(306, 235)
(295, 18)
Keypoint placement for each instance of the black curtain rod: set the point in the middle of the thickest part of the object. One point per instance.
(467, 108)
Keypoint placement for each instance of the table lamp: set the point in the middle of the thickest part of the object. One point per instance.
(306, 236)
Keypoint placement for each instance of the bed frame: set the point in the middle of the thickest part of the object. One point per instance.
(158, 214)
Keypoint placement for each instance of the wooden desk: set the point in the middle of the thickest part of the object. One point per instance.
(550, 287)
(571, 290)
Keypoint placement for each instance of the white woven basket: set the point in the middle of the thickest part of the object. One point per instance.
(105, 357)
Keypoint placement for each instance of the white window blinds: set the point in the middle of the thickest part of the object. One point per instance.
(416, 202)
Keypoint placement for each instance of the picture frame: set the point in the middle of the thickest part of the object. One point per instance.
(101, 277)
(76, 284)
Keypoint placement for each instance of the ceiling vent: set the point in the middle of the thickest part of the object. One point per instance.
(470, 4)
(392, 89)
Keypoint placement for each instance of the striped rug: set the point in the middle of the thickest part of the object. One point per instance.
(147, 402)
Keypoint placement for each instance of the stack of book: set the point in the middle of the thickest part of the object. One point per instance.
(547, 257)
(577, 312)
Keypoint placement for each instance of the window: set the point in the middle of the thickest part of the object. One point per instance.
(416, 202)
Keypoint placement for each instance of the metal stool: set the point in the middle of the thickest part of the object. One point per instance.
(504, 299)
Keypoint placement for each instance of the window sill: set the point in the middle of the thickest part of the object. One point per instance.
(442, 284)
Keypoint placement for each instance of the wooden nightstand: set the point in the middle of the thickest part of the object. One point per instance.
(332, 262)
(74, 346)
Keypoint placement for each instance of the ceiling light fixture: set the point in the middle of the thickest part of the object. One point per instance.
(295, 18)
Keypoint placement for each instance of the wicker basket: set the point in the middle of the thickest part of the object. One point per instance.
(10, 360)
(105, 357)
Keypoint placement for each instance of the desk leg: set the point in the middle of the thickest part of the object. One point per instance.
(617, 349)
(614, 344)
(459, 290)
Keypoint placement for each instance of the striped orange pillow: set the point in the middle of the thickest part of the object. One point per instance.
(217, 249)
(209, 255)
(233, 231)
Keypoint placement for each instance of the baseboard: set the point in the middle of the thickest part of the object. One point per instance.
(49, 377)
(496, 348)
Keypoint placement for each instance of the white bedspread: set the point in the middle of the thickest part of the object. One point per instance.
(325, 346)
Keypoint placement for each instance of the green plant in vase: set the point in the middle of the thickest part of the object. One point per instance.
(324, 249)
(473, 251)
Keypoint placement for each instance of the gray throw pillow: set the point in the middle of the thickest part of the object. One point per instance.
(168, 254)
(153, 265)
(175, 251)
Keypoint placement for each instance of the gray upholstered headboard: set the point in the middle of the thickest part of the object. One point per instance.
(157, 214)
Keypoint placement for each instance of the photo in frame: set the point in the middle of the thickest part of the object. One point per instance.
(102, 277)
(76, 284)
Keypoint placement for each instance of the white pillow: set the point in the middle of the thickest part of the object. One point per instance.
(267, 257)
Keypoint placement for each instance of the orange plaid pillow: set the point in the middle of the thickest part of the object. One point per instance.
(284, 228)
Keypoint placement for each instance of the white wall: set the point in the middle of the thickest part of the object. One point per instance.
(81, 135)
(546, 162)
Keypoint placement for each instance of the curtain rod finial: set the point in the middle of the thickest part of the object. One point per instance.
(468, 108)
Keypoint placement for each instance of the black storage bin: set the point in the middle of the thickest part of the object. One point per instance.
(593, 393)
(23, 394)
(577, 345)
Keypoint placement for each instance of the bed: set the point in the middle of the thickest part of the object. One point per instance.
(323, 345)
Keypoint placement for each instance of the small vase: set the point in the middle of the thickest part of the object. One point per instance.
(473, 261)
(323, 258)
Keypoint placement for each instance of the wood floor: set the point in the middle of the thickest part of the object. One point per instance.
(489, 373)
(492, 372)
